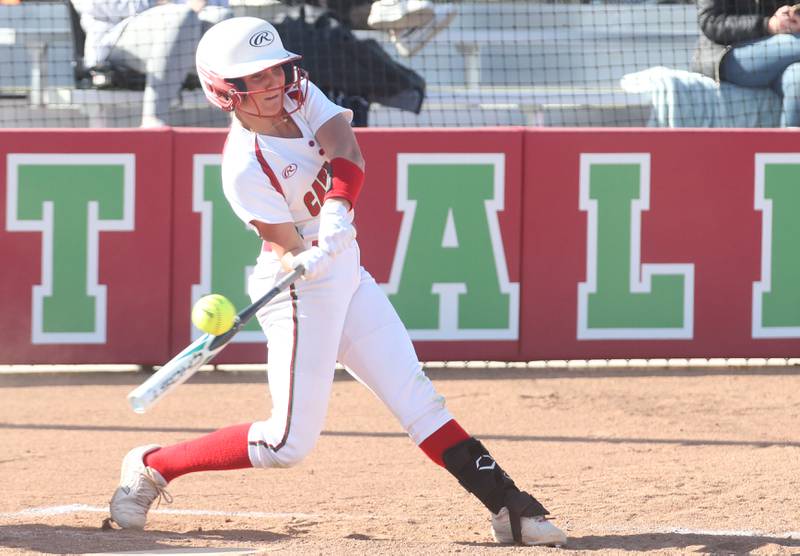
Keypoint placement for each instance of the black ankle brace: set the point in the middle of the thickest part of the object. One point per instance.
(478, 472)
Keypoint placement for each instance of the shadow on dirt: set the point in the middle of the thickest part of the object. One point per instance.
(55, 539)
(402, 435)
(678, 543)
(698, 542)
(29, 380)
(50, 539)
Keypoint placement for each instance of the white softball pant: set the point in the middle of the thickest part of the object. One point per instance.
(345, 316)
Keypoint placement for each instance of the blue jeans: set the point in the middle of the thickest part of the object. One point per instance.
(772, 62)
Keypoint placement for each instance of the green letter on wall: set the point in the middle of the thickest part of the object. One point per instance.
(70, 199)
(623, 298)
(228, 249)
(776, 298)
(449, 278)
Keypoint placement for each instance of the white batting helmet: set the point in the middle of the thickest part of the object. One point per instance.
(241, 46)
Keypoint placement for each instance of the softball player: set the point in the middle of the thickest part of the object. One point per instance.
(292, 170)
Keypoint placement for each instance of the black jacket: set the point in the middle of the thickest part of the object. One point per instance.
(724, 23)
(343, 65)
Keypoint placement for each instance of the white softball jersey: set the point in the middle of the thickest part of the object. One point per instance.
(342, 315)
(275, 179)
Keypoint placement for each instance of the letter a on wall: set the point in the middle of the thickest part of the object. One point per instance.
(449, 278)
(623, 298)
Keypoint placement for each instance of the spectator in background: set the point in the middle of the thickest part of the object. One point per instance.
(352, 71)
(752, 43)
(156, 38)
(409, 23)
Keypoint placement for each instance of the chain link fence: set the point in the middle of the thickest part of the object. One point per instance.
(481, 63)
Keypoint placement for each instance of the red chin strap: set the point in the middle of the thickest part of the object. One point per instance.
(296, 90)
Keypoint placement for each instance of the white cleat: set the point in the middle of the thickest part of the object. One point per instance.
(139, 486)
(410, 41)
(399, 14)
(535, 530)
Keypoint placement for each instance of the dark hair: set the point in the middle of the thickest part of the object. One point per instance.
(238, 84)
(288, 71)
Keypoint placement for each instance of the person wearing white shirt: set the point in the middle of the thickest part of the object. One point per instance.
(153, 37)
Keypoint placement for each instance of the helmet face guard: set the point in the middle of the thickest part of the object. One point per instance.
(229, 94)
(295, 86)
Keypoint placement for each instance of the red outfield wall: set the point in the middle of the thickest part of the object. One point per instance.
(48, 229)
(702, 212)
(507, 243)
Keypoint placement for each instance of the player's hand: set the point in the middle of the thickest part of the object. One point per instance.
(335, 232)
(316, 261)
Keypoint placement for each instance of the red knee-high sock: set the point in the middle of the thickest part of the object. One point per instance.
(446, 436)
(222, 449)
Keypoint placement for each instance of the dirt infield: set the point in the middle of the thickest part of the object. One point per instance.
(661, 461)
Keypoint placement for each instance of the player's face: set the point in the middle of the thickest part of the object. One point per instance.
(265, 91)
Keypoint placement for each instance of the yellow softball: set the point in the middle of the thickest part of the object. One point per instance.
(213, 314)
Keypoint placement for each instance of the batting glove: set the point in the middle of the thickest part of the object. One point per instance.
(335, 233)
(314, 260)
